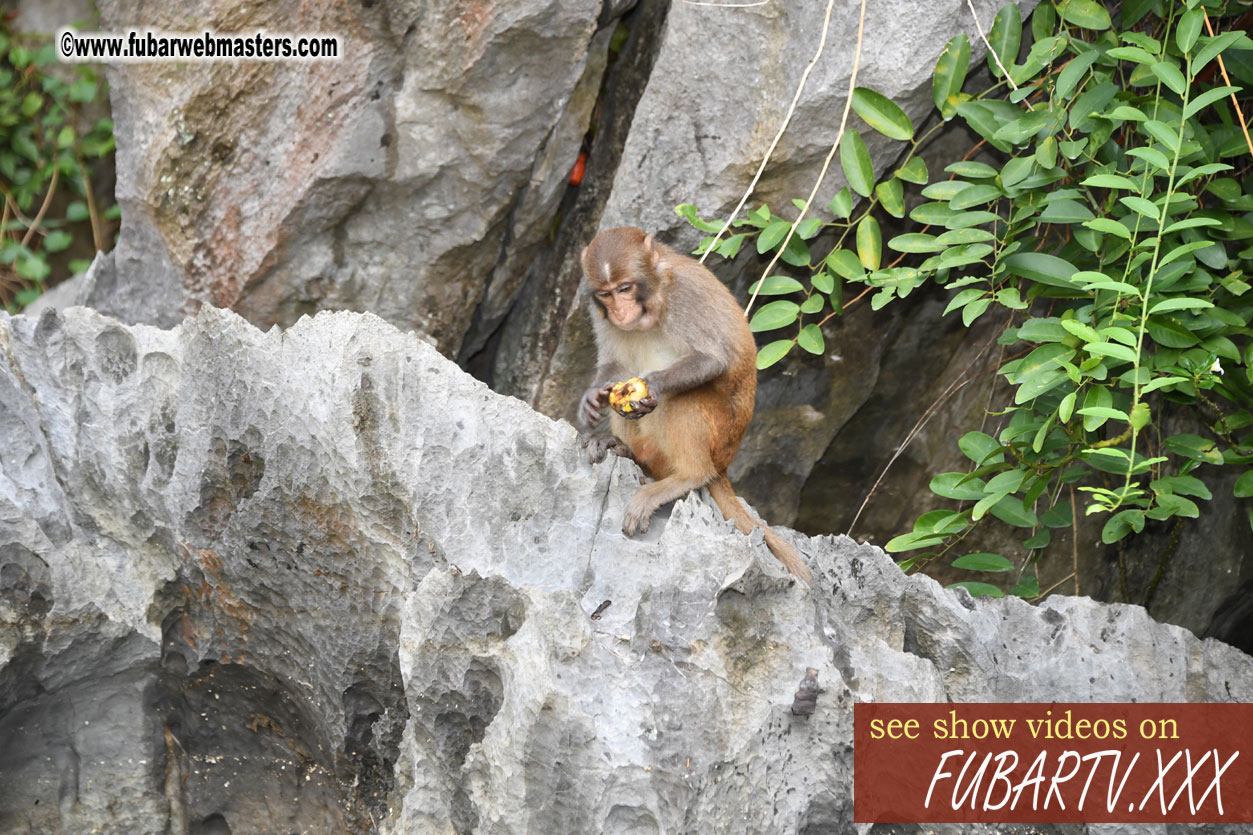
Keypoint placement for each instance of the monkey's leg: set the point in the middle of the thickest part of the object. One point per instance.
(598, 445)
(639, 513)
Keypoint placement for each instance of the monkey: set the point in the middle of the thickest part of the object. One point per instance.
(664, 317)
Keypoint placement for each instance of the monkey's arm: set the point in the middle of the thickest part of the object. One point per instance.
(685, 373)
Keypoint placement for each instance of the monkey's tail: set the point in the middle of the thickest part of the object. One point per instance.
(729, 504)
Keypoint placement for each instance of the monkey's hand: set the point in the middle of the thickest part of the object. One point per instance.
(632, 398)
(598, 445)
(594, 399)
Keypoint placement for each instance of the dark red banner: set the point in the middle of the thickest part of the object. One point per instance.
(1053, 763)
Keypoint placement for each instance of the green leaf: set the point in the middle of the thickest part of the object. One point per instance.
(730, 247)
(1085, 332)
(688, 212)
(1097, 397)
(772, 235)
(808, 228)
(1073, 72)
(810, 338)
(1028, 588)
(1111, 227)
(982, 120)
(972, 169)
(977, 589)
(33, 267)
(1213, 46)
(1170, 76)
(776, 285)
(960, 486)
(891, 196)
(1012, 511)
(774, 315)
(1195, 448)
(931, 214)
(1153, 157)
(1131, 53)
(957, 237)
(772, 353)
(882, 114)
(983, 562)
(944, 189)
(842, 204)
(83, 90)
(1188, 29)
(845, 264)
(981, 448)
(1182, 250)
(974, 310)
(1110, 349)
(1066, 408)
(1244, 485)
(1141, 206)
(1105, 412)
(1207, 98)
(1005, 38)
(1065, 211)
(57, 241)
(1163, 133)
(31, 104)
(974, 194)
(913, 171)
(915, 242)
(1180, 303)
(1183, 485)
(1084, 13)
(1121, 524)
(869, 243)
(823, 282)
(1111, 181)
(1169, 505)
(950, 75)
(813, 304)
(964, 298)
(1041, 267)
(855, 159)
(1046, 152)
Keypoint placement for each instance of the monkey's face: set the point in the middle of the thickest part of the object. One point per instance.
(623, 304)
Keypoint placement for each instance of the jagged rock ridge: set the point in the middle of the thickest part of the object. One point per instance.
(322, 581)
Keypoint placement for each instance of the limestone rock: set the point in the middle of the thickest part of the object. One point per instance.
(387, 179)
(320, 580)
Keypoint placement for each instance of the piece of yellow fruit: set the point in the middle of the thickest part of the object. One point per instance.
(624, 396)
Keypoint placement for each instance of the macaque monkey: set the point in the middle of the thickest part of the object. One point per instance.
(662, 316)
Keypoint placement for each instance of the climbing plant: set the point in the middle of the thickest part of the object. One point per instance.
(46, 157)
(1104, 219)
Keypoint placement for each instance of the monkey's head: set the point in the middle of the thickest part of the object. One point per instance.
(620, 267)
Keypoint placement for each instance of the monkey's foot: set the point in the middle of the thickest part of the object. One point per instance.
(598, 445)
(638, 516)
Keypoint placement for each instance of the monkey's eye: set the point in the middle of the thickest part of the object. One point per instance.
(624, 288)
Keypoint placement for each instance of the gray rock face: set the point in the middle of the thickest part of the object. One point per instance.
(322, 581)
(388, 179)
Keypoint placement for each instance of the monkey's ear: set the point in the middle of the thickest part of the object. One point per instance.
(650, 249)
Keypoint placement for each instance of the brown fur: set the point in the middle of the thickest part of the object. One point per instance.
(664, 317)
